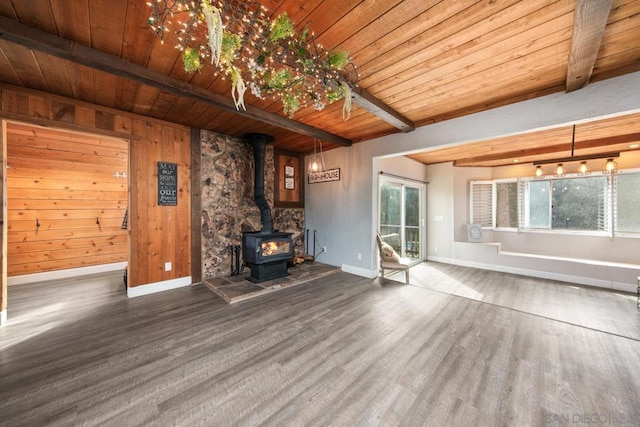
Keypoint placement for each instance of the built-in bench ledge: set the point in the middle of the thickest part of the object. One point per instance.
(498, 245)
(491, 256)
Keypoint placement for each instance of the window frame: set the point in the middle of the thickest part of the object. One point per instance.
(614, 207)
(611, 195)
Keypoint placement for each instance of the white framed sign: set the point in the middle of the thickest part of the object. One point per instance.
(326, 176)
(475, 233)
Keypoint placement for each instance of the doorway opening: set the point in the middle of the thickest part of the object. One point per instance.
(401, 216)
(67, 195)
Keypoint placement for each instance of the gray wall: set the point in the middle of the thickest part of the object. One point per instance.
(343, 213)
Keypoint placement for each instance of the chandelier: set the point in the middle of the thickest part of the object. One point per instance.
(610, 167)
(267, 56)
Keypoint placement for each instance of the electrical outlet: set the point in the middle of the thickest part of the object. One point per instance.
(167, 266)
(359, 256)
(324, 249)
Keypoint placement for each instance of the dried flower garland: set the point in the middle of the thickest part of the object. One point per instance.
(268, 56)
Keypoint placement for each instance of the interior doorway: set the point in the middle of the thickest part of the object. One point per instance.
(67, 195)
(401, 216)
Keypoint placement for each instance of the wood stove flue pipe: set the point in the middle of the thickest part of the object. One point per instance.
(259, 142)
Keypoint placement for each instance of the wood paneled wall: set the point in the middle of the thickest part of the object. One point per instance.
(158, 234)
(66, 199)
(3, 219)
(161, 233)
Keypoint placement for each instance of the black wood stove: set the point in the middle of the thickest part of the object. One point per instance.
(266, 252)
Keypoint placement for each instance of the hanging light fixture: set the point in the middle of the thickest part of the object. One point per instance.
(610, 167)
(316, 164)
(583, 169)
(258, 52)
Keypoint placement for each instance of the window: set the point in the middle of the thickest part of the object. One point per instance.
(627, 207)
(507, 204)
(579, 203)
(568, 204)
(575, 203)
(505, 208)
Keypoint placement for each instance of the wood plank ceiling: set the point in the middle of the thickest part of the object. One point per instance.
(426, 60)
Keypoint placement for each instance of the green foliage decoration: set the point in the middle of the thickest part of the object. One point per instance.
(281, 28)
(335, 95)
(255, 52)
(279, 80)
(191, 60)
(230, 45)
(338, 59)
(290, 104)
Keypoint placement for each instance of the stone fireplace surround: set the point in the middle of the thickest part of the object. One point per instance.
(228, 206)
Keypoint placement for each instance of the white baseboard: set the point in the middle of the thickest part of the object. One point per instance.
(3, 317)
(370, 274)
(441, 259)
(153, 288)
(65, 274)
(580, 280)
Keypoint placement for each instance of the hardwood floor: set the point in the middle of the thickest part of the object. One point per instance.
(457, 347)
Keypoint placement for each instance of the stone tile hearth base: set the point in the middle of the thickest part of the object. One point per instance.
(237, 288)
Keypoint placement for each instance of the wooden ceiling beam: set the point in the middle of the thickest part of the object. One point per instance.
(550, 149)
(589, 24)
(32, 38)
(373, 105)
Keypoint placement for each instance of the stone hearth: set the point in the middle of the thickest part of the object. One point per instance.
(236, 288)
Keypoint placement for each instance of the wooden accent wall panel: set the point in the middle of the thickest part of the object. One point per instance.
(161, 233)
(3, 217)
(65, 205)
(157, 234)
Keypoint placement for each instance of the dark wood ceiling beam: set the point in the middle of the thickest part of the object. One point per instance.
(550, 149)
(588, 29)
(32, 38)
(373, 105)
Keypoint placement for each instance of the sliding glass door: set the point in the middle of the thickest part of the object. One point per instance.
(401, 216)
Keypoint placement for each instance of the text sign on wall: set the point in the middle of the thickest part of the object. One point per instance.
(167, 184)
(326, 176)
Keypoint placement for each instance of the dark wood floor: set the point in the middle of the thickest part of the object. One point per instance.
(457, 347)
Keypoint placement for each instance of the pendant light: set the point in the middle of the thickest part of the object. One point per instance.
(316, 164)
(610, 167)
(584, 169)
(539, 173)
(559, 170)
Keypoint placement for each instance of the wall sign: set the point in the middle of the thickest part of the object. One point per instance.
(326, 176)
(167, 184)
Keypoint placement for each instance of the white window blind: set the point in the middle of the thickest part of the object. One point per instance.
(607, 213)
(481, 203)
(523, 205)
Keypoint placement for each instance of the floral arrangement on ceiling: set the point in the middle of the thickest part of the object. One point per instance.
(267, 56)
